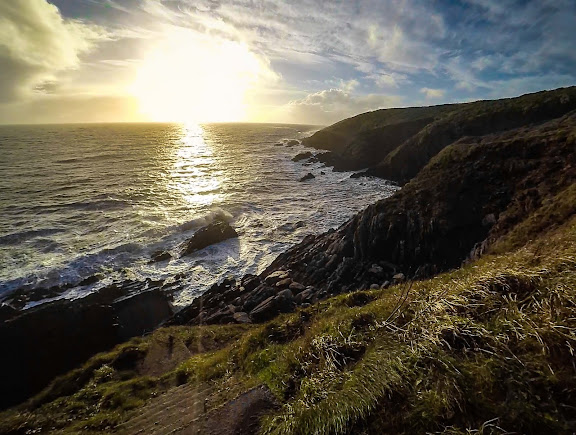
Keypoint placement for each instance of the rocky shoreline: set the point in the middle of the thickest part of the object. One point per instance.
(439, 220)
(468, 196)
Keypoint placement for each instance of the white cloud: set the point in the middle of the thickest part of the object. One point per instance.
(36, 42)
(433, 93)
(331, 105)
(388, 80)
(401, 34)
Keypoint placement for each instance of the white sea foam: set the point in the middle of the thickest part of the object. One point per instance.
(80, 200)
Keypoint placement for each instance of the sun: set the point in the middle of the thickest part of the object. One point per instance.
(192, 79)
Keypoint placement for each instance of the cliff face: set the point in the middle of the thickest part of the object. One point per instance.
(470, 196)
(402, 141)
(476, 119)
(358, 142)
(467, 197)
(474, 343)
(375, 144)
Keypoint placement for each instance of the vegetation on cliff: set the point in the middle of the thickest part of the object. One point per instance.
(487, 347)
(397, 143)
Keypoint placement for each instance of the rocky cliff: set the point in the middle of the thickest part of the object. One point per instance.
(469, 196)
(492, 339)
(402, 141)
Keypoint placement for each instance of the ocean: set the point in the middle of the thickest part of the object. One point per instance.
(99, 199)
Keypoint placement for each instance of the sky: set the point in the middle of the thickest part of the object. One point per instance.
(293, 61)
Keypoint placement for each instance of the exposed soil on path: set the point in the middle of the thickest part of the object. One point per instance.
(182, 411)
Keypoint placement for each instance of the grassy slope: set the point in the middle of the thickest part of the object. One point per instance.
(488, 345)
(337, 136)
(382, 140)
(473, 119)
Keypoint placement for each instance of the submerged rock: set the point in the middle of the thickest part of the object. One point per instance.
(308, 176)
(302, 156)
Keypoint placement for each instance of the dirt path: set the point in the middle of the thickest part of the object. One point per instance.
(181, 411)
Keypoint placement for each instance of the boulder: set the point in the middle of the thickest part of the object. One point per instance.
(160, 256)
(292, 142)
(222, 316)
(257, 297)
(211, 234)
(283, 302)
(241, 317)
(308, 176)
(304, 296)
(264, 311)
(284, 283)
(250, 282)
(274, 277)
(376, 270)
(296, 287)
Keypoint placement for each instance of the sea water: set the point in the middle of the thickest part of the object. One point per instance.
(100, 199)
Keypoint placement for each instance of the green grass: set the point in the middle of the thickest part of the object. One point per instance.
(487, 348)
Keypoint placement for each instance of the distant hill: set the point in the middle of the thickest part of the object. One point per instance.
(396, 143)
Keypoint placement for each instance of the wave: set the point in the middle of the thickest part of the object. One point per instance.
(22, 236)
(107, 259)
(77, 270)
(213, 215)
(93, 158)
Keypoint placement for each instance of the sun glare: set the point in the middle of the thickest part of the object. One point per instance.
(186, 79)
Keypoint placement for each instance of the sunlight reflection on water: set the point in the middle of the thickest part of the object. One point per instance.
(195, 176)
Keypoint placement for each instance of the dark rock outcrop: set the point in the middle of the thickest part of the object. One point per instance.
(211, 234)
(48, 340)
(473, 192)
(374, 145)
(338, 137)
(19, 298)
